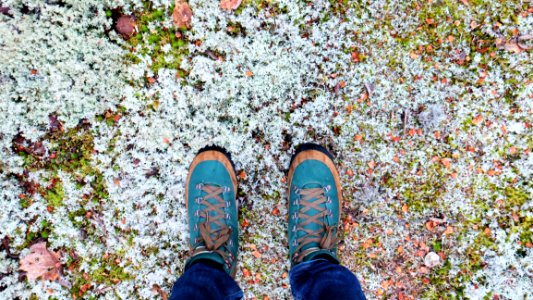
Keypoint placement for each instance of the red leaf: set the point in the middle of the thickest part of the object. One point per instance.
(126, 26)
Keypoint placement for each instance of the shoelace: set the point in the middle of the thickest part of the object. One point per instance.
(326, 235)
(213, 239)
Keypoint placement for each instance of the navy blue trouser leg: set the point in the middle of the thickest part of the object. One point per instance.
(202, 281)
(322, 279)
(312, 280)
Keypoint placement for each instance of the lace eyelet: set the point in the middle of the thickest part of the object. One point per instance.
(199, 186)
(327, 188)
(227, 189)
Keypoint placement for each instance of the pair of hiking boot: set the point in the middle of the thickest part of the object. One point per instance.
(314, 193)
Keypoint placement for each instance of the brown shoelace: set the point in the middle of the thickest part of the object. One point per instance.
(326, 235)
(213, 239)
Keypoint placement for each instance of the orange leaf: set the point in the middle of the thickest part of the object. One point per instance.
(242, 175)
(477, 120)
(358, 137)
(246, 272)
(249, 73)
(275, 211)
(487, 231)
(182, 14)
(230, 4)
(41, 263)
(430, 225)
(446, 162)
(449, 230)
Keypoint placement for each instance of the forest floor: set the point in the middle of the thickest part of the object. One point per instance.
(426, 105)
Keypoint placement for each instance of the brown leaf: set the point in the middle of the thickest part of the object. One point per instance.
(182, 14)
(126, 26)
(512, 46)
(55, 124)
(516, 45)
(41, 263)
(156, 288)
(230, 4)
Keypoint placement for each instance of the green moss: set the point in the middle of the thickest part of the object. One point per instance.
(54, 196)
(150, 42)
(104, 271)
(425, 194)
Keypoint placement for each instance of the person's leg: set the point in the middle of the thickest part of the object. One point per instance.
(315, 199)
(322, 279)
(205, 280)
(210, 197)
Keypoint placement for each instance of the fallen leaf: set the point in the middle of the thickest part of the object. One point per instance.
(182, 14)
(230, 4)
(156, 288)
(446, 162)
(126, 26)
(487, 232)
(249, 73)
(477, 120)
(449, 230)
(246, 272)
(275, 211)
(41, 263)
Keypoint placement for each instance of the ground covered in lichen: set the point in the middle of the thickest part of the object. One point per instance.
(427, 106)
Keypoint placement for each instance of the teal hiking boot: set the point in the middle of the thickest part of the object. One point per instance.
(210, 197)
(315, 199)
